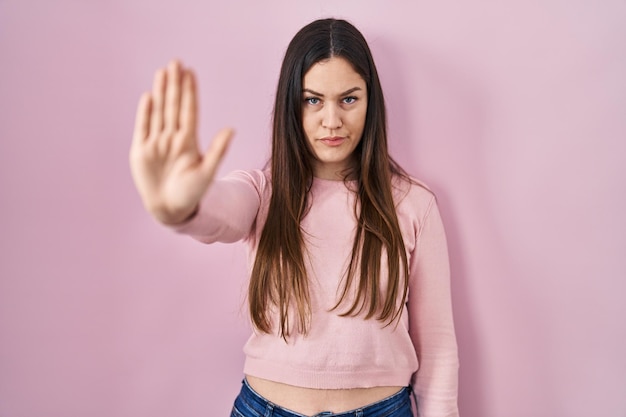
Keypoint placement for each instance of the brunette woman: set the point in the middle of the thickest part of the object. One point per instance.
(349, 293)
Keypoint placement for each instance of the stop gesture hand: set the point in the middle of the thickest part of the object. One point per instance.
(169, 171)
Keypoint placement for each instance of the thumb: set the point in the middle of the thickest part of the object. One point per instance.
(215, 154)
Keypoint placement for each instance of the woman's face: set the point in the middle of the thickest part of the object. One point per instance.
(334, 105)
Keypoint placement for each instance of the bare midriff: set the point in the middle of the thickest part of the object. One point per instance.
(309, 401)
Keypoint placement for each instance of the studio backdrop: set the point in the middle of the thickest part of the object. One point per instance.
(513, 112)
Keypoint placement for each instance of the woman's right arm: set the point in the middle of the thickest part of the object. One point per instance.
(228, 211)
(170, 173)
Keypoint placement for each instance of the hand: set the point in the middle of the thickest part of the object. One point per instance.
(169, 171)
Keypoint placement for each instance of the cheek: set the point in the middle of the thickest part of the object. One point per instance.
(308, 124)
(358, 121)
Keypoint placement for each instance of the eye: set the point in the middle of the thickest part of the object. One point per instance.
(312, 101)
(350, 100)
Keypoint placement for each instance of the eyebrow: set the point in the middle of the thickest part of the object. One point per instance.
(345, 93)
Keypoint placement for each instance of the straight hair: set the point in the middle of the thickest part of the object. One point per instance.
(279, 282)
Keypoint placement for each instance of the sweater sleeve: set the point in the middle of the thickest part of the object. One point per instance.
(431, 323)
(228, 211)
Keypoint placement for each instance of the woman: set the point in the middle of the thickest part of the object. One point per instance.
(349, 289)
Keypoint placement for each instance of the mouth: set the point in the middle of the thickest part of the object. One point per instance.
(333, 140)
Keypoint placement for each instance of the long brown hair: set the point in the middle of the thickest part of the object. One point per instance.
(279, 282)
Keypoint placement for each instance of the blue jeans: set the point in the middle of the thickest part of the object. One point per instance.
(251, 404)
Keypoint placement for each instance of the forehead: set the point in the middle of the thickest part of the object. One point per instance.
(332, 76)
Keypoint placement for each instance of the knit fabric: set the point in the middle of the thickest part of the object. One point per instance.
(348, 352)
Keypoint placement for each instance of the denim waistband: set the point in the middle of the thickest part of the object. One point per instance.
(250, 403)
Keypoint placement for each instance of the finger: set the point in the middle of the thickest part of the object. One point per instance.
(156, 111)
(215, 154)
(189, 104)
(172, 96)
(142, 119)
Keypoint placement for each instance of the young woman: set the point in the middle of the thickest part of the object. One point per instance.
(349, 292)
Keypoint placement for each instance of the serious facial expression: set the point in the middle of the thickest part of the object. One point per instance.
(334, 106)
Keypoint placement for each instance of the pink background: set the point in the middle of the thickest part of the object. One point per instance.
(513, 111)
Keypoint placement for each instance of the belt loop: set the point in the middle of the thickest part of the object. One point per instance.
(358, 413)
(414, 402)
(269, 410)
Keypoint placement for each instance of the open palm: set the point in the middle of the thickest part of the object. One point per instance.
(169, 171)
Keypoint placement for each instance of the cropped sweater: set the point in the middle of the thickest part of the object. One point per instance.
(348, 352)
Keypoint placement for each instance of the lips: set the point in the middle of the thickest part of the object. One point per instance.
(333, 140)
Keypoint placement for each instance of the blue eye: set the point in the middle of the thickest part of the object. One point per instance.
(312, 100)
(350, 100)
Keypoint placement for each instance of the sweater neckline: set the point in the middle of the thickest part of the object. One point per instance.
(327, 181)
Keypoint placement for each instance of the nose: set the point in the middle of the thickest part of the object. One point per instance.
(331, 118)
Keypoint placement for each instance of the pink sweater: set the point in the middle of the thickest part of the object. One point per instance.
(348, 352)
